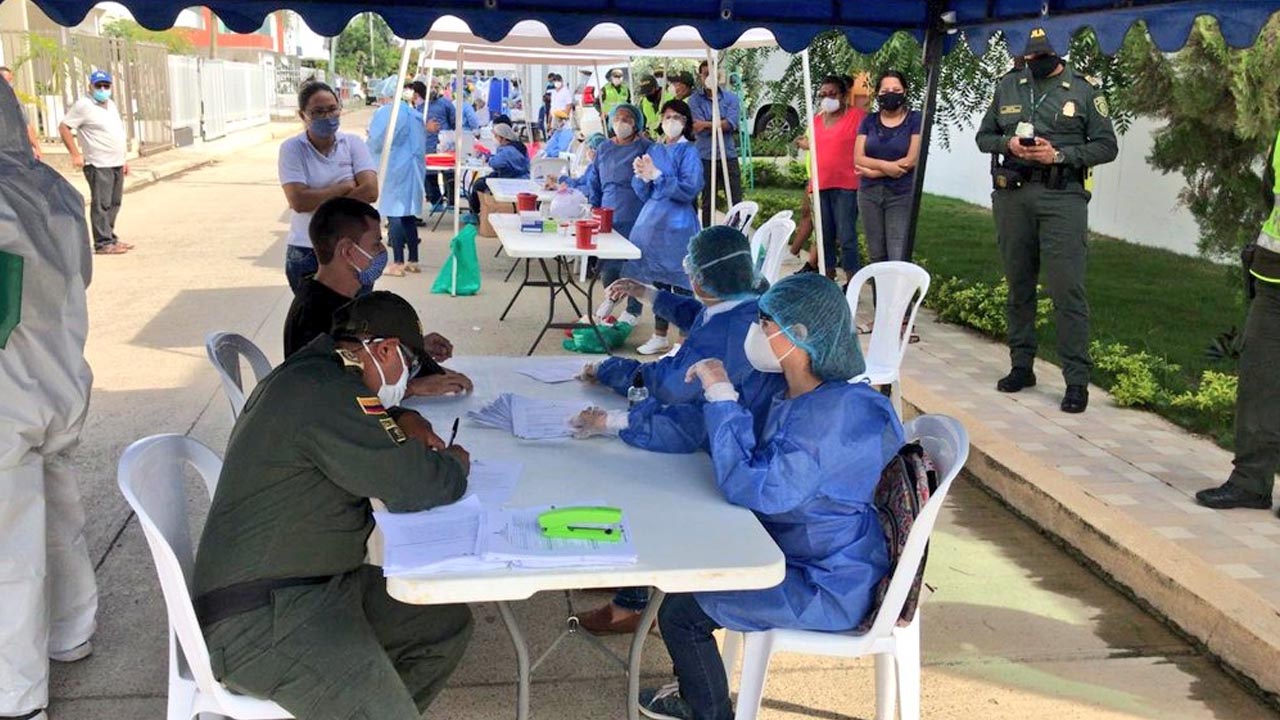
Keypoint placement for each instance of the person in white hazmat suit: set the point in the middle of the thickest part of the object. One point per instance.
(48, 597)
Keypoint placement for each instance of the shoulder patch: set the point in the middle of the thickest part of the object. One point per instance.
(393, 430)
(1010, 109)
(1022, 81)
(349, 359)
(370, 405)
(1100, 104)
(1093, 80)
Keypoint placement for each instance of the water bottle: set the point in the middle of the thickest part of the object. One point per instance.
(637, 393)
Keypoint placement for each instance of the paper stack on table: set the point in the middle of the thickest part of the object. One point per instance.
(554, 370)
(514, 536)
(528, 418)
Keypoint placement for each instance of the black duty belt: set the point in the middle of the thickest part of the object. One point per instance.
(1052, 175)
(217, 605)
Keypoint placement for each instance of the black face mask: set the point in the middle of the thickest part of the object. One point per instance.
(434, 96)
(891, 101)
(1042, 66)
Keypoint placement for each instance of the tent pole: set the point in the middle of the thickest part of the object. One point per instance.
(395, 113)
(933, 40)
(715, 132)
(599, 90)
(461, 97)
(815, 200)
(719, 136)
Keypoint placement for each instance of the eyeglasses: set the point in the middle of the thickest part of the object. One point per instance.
(324, 113)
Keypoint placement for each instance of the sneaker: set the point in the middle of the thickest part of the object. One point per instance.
(665, 703)
(33, 715)
(656, 345)
(79, 652)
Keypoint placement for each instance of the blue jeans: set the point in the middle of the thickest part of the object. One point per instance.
(686, 630)
(403, 232)
(840, 225)
(610, 271)
(634, 599)
(299, 263)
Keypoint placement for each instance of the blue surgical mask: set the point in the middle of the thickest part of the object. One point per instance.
(325, 127)
(377, 263)
(101, 95)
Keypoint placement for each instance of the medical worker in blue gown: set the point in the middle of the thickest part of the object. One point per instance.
(809, 475)
(404, 185)
(583, 183)
(716, 323)
(667, 179)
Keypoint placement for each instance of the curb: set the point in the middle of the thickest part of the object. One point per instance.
(1230, 620)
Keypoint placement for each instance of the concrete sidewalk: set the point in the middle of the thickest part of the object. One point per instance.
(1117, 485)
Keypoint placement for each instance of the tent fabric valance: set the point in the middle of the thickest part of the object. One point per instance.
(721, 23)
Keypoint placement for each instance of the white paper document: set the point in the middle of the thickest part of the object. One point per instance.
(422, 540)
(493, 482)
(528, 418)
(513, 536)
(555, 370)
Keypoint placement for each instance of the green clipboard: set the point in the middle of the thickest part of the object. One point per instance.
(10, 295)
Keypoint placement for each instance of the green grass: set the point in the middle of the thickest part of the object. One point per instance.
(1148, 299)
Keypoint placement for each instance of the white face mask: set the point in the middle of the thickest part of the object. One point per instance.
(672, 128)
(407, 96)
(760, 353)
(391, 395)
(624, 130)
(830, 105)
(616, 81)
(662, 81)
(708, 82)
(559, 84)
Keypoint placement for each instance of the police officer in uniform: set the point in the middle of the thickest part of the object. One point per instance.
(1046, 127)
(288, 608)
(1258, 396)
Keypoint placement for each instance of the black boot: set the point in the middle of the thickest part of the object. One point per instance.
(1227, 496)
(1075, 399)
(1017, 379)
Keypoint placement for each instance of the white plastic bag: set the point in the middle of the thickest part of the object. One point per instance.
(567, 204)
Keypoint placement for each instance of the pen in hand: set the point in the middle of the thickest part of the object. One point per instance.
(454, 434)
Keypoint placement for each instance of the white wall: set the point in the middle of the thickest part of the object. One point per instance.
(1131, 201)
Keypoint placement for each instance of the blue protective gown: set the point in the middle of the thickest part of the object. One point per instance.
(442, 111)
(509, 162)
(667, 221)
(558, 143)
(810, 478)
(401, 191)
(609, 182)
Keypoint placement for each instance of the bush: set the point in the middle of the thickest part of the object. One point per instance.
(796, 174)
(772, 147)
(977, 305)
(1138, 379)
(770, 174)
(773, 201)
(1216, 396)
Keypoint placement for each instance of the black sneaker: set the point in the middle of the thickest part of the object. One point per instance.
(1227, 496)
(665, 703)
(1075, 399)
(1017, 379)
(808, 268)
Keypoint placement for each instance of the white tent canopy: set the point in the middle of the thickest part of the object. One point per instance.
(607, 37)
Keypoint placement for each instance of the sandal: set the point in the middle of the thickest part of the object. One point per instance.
(112, 249)
(413, 268)
(394, 270)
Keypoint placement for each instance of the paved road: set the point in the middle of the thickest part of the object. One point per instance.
(1015, 630)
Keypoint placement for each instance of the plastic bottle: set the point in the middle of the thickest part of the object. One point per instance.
(637, 393)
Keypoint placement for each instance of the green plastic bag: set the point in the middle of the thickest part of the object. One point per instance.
(462, 250)
(585, 340)
(10, 295)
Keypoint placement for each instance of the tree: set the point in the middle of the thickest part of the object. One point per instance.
(174, 40)
(1221, 108)
(353, 58)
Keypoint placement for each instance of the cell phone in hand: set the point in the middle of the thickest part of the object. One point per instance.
(1027, 141)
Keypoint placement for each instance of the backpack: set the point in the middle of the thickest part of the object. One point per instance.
(905, 486)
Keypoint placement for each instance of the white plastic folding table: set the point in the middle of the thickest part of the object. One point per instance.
(562, 250)
(687, 537)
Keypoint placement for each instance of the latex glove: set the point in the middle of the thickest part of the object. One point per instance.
(588, 374)
(590, 422)
(633, 288)
(709, 371)
(446, 383)
(438, 346)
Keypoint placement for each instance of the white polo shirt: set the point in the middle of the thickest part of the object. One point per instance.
(102, 137)
(300, 162)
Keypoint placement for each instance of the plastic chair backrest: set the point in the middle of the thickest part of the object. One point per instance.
(225, 350)
(542, 167)
(150, 478)
(782, 215)
(771, 239)
(742, 215)
(947, 443)
(900, 288)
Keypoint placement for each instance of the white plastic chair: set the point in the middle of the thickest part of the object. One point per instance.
(772, 238)
(896, 649)
(782, 215)
(225, 350)
(742, 215)
(541, 168)
(150, 477)
(900, 288)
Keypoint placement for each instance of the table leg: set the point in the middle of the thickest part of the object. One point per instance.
(522, 660)
(517, 293)
(637, 650)
(553, 290)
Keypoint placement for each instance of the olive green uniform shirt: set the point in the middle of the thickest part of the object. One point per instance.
(1066, 110)
(310, 448)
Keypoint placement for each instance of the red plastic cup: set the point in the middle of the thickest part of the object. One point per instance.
(526, 202)
(584, 233)
(605, 216)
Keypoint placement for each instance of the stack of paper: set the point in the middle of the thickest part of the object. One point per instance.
(433, 540)
(513, 536)
(554, 370)
(528, 418)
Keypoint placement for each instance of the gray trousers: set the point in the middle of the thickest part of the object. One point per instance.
(886, 218)
(734, 192)
(106, 190)
(1258, 398)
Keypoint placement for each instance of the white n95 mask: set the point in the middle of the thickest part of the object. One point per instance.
(391, 395)
(758, 351)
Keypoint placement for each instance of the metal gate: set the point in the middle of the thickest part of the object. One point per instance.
(149, 96)
(213, 95)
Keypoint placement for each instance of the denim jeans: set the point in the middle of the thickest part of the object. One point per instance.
(610, 271)
(403, 232)
(840, 225)
(299, 262)
(660, 324)
(686, 630)
(632, 598)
